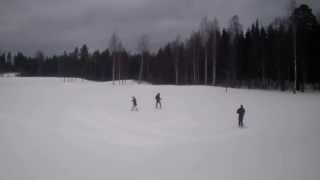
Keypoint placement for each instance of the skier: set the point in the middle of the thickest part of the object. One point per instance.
(241, 111)
(158, 101)
(134, 104)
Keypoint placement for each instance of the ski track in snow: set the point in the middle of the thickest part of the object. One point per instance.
(80, 130)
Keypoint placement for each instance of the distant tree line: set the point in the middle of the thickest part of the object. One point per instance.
(283, 55)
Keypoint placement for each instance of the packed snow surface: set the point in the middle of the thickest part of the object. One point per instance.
(82, 130)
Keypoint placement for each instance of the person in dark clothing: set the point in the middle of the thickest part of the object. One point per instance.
(134, 104)
(241, 111)
(158, 101)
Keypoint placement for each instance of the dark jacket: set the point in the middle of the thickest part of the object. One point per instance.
(241, 112)
(134, 101)
(158, 98)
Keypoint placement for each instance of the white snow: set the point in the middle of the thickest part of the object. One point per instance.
(81, 130)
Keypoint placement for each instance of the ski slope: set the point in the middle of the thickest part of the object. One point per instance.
(81, 130)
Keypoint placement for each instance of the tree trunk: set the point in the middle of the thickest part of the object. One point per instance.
(119, 71)
(141, 69)
(295, 59)
(214, 60)
(206, 67)
(196, 67)
(177, 72)
(113, 68)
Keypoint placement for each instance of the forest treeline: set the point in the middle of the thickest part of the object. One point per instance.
(282, 55)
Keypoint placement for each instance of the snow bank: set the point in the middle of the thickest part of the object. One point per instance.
(12, 74)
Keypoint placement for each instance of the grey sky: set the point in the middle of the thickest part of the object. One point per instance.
(57, 25)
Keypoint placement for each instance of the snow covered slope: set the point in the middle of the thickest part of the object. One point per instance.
(51, 130)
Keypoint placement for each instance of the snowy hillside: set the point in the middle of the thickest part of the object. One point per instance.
(81, 130)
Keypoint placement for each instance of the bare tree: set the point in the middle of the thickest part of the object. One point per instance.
(204, 33)
(143, 47)
(120, 49)
(40, 58)
(176, 47)
(235, 29)
(291, 7)
(114, 46)
(193, 41)
(215, 29)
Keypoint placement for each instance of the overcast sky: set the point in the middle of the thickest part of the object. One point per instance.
(57, 25)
